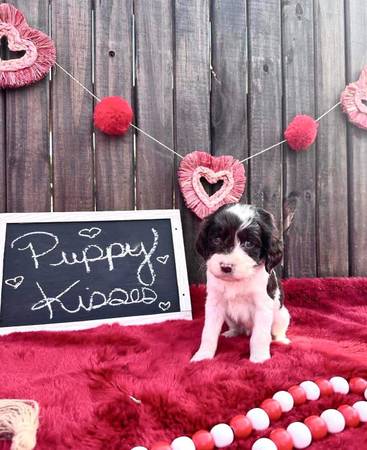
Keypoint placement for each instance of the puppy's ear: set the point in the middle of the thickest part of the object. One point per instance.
(202, 239)
(272, 244)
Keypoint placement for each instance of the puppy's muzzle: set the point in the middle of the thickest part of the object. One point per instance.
(226, 268)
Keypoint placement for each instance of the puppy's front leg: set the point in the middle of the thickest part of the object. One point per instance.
(261, 334)
(214, 318)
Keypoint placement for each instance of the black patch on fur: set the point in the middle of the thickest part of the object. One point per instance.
(273, 286)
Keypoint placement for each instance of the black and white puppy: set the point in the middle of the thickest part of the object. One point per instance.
(241, 247)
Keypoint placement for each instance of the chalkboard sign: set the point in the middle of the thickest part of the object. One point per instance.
(78, 270)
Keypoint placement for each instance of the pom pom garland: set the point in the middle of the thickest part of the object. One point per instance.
(357, 385)
(113, 116)
(285, 400)
(301, 132)
(298, 394)
(298, 435)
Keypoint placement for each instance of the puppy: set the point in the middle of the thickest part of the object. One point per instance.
(241, 247)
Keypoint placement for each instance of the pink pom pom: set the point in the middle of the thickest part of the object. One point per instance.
(301, 132)
(113, 115)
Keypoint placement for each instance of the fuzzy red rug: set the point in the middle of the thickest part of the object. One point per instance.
(81, 378)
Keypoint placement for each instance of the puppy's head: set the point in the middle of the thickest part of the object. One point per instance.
(238, 238)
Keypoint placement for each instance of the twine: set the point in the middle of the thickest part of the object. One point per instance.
(19, 420)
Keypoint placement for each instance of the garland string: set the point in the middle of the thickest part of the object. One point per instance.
(170, 149)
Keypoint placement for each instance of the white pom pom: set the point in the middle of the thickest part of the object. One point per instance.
(365, 394)
(264, 444)
(139, 448)
(258, 418)
(285, 400)
(340, 385)
(361, 407)
(183, 443)
(300, 433)
(311, 389)
(334, 420)
(222, 435)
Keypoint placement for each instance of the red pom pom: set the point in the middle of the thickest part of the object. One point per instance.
(326, 388)
(301, 132)
(358, 385)
(272, 408)
(113, 115)
(350, 414)
(298, 394)
(282, 439)
(161, 445)
(203, 440)
(317, 426)
(241, 426)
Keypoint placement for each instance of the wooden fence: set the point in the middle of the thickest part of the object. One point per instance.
(224, 76)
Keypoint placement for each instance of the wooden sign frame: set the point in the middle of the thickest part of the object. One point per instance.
(101, 216)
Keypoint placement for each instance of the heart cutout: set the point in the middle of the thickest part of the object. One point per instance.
(163, 259)
(39, 50)
(197, 165)
(164, 306)
(354, 101)
(90, 233)
(15, 282)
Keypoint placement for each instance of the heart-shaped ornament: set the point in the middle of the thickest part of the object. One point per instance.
(198, 165)
(39, 50)
(354, 100)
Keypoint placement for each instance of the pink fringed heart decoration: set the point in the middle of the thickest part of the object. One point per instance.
(197, 165)
(39, 50)
(352, 100)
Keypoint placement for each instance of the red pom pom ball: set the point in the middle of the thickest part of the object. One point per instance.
(301, 132)
(113, 115)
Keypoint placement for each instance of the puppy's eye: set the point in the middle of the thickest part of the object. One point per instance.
(247, 245)
(217, 241)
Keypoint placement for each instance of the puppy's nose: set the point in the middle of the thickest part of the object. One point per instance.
(226, 268)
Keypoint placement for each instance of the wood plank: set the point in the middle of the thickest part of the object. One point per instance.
(27, 132)
(2, 153)
(192, 113)
(114, 157)
(265, 103)
(356, 37)
(299, 98)
(332, 210)
(154, 72)
(72, 107)
(229, 80)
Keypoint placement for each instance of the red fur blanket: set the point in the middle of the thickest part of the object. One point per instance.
(81, 379)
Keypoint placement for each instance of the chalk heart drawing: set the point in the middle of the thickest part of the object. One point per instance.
(164, 306)
(15, 282)
(90, 233)
(163, 259)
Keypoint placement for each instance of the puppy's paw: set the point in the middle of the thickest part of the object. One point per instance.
(260, 358)
(283, 340)
(233, 332)
(201, 355)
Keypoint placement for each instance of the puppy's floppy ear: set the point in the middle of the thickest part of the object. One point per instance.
(202, 239)
(273, 246)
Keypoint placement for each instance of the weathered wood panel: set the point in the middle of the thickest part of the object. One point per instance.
(114, 158)
(27, 133)
(299, 168)
(229, 80)
(154, 76)
(332, 188)
(72, 107)
(192, 113)
(356, 38)
(265, 103)
(2, 153)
